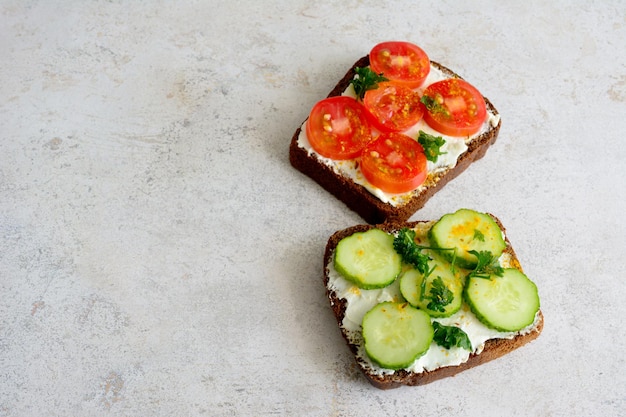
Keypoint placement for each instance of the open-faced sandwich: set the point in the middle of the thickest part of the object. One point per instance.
(395, 129)
(424, 300)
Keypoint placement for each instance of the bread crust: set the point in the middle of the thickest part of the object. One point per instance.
(357, 197)
(494, 348)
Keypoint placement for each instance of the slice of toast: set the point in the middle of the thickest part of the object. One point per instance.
(493, 348)
(357, 197)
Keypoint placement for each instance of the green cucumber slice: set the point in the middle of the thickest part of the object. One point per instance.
(507, 303)
(395, 334)
(467, 230)
(368, 259)
(411, 285)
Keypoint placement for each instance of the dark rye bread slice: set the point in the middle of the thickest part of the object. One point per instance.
(494, 348)
(355, 196)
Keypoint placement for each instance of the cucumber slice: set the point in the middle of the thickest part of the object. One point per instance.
(507, 303)
(411, 284)
(396, 334)
(467, 230)
(368, 259)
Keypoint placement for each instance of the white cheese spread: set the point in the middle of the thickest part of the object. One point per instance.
(359, 302)
(453, 149)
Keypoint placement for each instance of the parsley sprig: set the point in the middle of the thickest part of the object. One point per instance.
(431, 144)
(366, 80)
(487, 265)
(434, 106)
(451, 336)
(411, 252)
(440, 295)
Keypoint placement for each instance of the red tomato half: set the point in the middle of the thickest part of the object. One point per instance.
(456, 109)
(394, 107)
(400, 61)
(394, 162)
(337, 128)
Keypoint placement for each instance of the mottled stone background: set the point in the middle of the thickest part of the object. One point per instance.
(159, 256)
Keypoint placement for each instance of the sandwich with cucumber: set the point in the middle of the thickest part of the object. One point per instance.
(393, 131)
(423, 300)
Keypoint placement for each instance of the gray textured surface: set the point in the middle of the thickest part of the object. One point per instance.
(159, 256)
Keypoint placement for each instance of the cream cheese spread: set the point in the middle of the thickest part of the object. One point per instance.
(453, 149)
(359, 302)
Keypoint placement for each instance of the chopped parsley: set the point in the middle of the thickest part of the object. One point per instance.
(411, 252)
(451, 336)
(487, 265)
(478, 235)
(431, 144)
(440, 296)
(366, 80)
(433, 105)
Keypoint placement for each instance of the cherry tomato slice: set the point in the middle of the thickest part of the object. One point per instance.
(454, 107)
(400, 61)
(394, 107)
(394, 162)
(338, 127)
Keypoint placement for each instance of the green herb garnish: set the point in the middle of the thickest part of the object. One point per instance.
(411, 252)
(366, 80)
(434, 106)
(431, 144)
(423, 284)
(487, 265)
(440, 296)
(451, 336)
(478, 235)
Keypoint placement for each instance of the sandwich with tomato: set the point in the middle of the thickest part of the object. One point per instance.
(395, 129)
